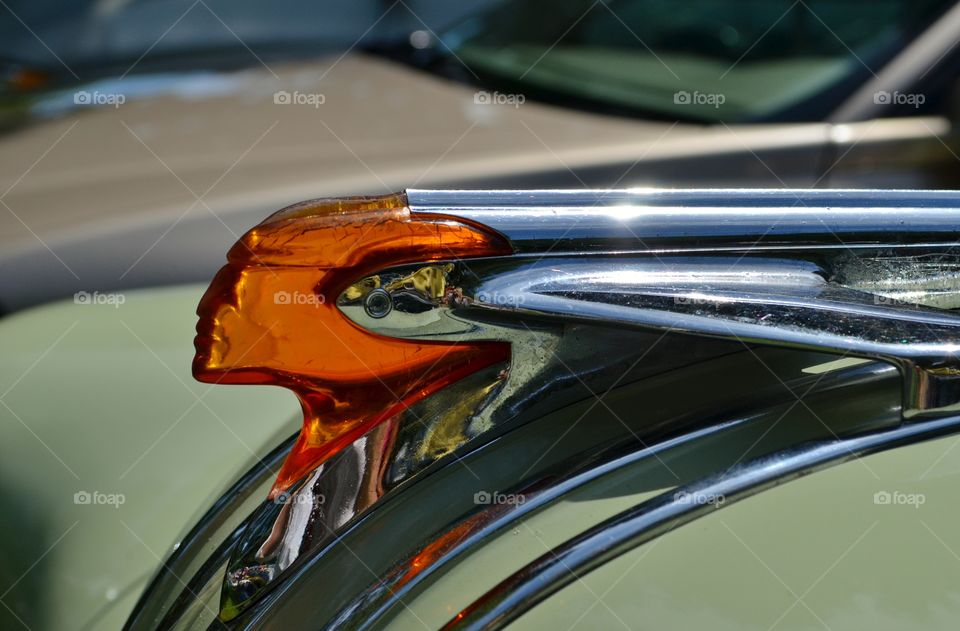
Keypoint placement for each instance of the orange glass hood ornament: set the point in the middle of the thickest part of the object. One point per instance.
(270, 317)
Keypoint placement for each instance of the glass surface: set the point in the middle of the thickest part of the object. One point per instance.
(700, 59)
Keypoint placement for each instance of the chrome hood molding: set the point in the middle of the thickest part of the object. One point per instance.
(661, 220)
(843, 271)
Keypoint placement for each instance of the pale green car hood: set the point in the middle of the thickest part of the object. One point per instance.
(98, 398)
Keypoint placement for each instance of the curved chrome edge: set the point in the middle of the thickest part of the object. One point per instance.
(650, 519)
(174, 578)
(431, 556)
(369, 607)
(655, 219)
(398, 584)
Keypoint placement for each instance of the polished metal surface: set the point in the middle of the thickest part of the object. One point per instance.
(645, 220)
(844, 270)
(371, 605)
(776, 301)
(574, 558)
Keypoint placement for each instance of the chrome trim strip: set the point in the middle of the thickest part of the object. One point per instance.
(564, 564)
(653, 219)
(425, 200)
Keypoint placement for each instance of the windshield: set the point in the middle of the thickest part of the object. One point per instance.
(89, 38)
(697, 59)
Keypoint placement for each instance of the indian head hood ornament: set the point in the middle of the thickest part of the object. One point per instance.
(270, 317)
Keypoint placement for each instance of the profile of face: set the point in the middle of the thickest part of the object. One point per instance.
(263, 324)
(270, 317)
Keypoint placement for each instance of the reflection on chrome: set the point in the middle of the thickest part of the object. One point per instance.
(351, 481)
(572, 559)
(786, 301)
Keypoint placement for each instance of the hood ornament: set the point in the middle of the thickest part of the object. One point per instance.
(270, 317)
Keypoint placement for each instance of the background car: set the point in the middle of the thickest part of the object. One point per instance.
(100, 195)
